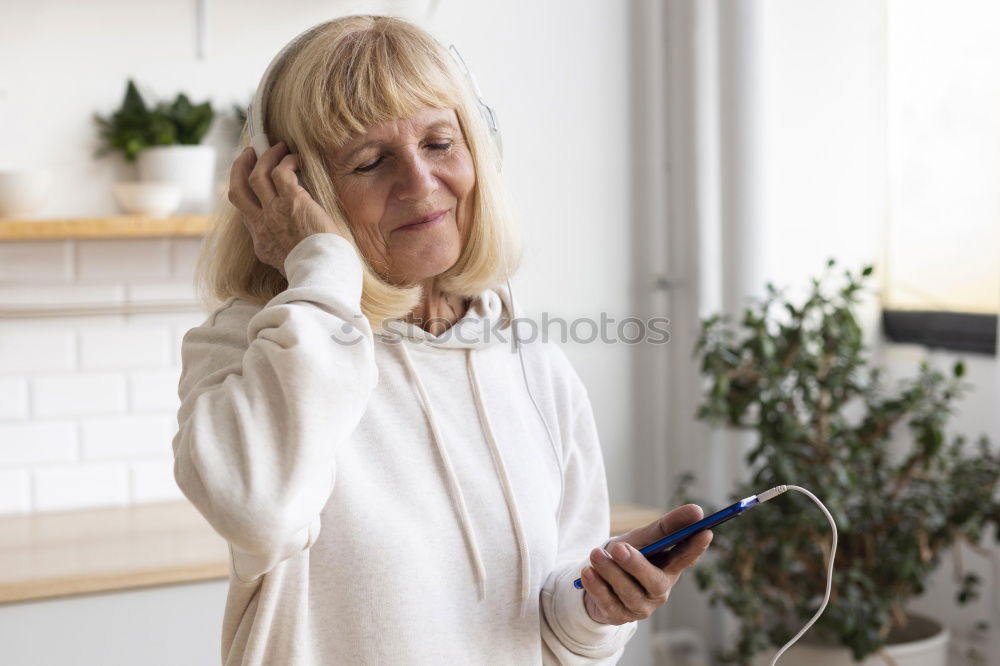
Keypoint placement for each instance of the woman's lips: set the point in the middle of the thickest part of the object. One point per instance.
(424, 225)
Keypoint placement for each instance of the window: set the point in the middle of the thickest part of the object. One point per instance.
(942, 278)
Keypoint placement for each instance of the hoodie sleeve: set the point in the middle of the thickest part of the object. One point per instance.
(267, 394)
(570, 635)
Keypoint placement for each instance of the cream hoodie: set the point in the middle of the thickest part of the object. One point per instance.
(392, 498)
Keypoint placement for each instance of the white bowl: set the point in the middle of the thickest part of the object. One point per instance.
(22, 192)
(153, 198)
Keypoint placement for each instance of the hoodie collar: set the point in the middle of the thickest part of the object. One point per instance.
(486, 322)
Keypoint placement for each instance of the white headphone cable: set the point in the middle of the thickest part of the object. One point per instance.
(774, 492)
(524, 373)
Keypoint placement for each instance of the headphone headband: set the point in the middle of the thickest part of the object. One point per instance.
(489, 115)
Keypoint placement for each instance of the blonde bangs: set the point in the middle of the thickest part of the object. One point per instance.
(383, 76)
(378, 69)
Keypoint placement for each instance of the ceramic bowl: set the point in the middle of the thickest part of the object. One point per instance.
(153, 198)
(23, 191)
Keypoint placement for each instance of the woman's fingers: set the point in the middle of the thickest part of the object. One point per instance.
(626, 586)
(640, 587)
(659, 528)
(261, 178)
(687, 553)
(240, 193)
(603, 605)
(286, 181)
(666, 524)
(655, 586)
(277, 211)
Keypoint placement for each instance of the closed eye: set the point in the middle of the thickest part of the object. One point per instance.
(433, 146)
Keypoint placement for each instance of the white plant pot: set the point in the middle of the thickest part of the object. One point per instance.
(923, 643)
(192, 168)
(156, 199)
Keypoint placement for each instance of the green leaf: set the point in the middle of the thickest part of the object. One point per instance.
(133, 102)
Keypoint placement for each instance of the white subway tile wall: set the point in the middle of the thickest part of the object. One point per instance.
(153, 481)
(88, 404)
(36, 261)
(121, 259)
(37, 442)
(13, 399)
(74, 294)
(15, 491)
(80, 485)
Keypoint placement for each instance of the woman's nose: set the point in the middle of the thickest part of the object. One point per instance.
(416, 179)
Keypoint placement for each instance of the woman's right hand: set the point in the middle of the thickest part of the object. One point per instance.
(277, 211)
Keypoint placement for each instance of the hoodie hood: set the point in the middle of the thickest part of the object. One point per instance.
(489, 314)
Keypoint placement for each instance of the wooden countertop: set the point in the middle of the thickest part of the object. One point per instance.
(112, 226)
(103, 550)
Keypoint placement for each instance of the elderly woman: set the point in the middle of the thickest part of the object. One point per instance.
(388, 491)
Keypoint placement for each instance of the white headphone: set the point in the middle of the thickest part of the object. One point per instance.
(255, 124)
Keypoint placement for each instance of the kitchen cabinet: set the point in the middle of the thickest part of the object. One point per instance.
(165, 625)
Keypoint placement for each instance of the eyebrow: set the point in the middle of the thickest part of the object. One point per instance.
(437, 124)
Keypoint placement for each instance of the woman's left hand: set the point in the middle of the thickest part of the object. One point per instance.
(629, 587)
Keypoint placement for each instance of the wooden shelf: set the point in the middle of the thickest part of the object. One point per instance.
(113, 226)
(117, 548)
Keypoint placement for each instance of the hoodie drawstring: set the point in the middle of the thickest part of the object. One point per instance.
(456, 490)
(515, 516)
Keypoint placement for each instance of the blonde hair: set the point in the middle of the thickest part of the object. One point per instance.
(343, 76)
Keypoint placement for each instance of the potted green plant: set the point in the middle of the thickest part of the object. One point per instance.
(164, 142)
(797, 376)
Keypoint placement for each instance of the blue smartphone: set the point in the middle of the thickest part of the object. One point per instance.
(674, 538)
